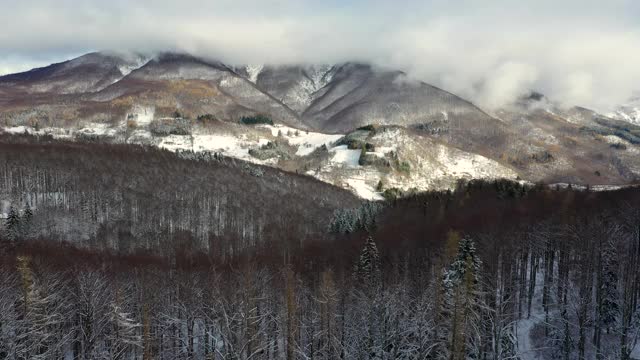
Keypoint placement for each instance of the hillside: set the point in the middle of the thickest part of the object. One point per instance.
(178, 101)
(131, 198)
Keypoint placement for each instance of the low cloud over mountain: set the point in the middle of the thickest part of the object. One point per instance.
(579, 52)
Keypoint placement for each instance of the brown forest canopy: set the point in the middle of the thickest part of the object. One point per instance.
(132, 252)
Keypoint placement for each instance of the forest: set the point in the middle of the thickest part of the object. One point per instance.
(127, 252)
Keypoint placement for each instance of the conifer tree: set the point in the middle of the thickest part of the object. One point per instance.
(368, 267)
(12, 224)
(346, 222)
(25, 222)
(461, 302)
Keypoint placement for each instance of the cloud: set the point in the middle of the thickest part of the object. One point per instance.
(577, 52)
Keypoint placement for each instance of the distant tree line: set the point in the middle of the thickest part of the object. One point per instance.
(256, 119)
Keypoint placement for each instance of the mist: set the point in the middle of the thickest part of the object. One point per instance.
(575, 52)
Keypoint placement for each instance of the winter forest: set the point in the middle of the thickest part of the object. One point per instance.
(128, 252)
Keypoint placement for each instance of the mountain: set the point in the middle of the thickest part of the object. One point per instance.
(293, 85)
(629, 112)
(354, 125)
(326, 98)
(195, 86)
(87, 73)
(359, 95)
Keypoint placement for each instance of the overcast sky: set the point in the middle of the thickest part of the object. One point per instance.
(579, 52)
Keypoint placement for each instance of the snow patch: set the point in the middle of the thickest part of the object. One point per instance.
(628, 113)
(227, 144)
(466, 164)
(343, 155)
(306, 141)
(360, 188)
(17, 130)
(300, 96)
(142, 115)
(320, 75)
(97, 129)
(136, 64)
(253, 71)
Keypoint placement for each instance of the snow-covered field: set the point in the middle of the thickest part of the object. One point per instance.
(362, 189)
(343, 155)
(306, 141)
(229, 145)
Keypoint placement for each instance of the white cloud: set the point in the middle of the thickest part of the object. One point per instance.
(507, 80)
(578, 52)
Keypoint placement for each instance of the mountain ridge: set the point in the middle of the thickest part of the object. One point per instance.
(533, 140)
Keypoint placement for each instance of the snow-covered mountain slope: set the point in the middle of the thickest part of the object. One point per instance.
(295, 86)
(325, 98)
(443, 136)
(396, 157)
(196, 87)
(252, 72)
(628, 112)
(573, 146)
(359, 95)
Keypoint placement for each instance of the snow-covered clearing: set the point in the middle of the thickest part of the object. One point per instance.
(306, 141)
(229, 145)
(134, 65)
(98, 129)
(360, 187)
(345, 156)
(17, 130)
(467, 165)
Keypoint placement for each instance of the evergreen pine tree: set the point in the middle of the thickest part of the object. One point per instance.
(368, 267)
(25, 222)
(465, 260)
(461, 303)
(334, 224)
(12, 224)
(346, 222)
(369, 277)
